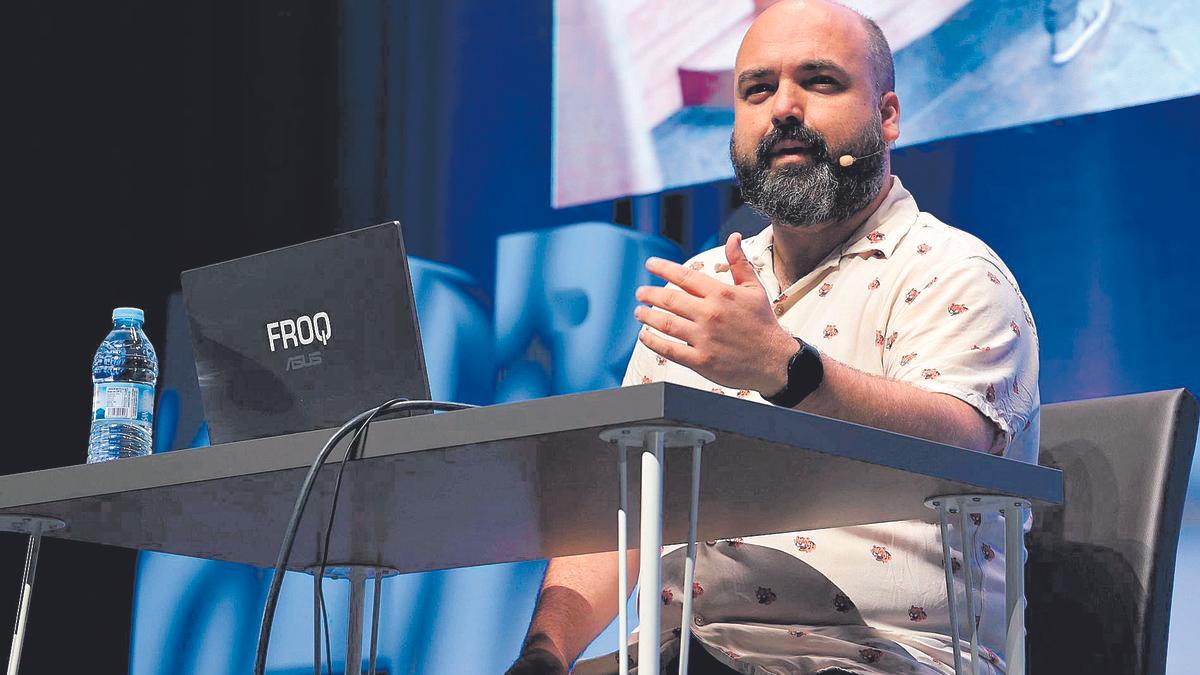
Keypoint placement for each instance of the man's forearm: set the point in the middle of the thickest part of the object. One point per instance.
(577, 601)
(854, 396)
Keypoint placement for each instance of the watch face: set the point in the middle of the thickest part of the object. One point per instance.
(810, 356)
(804, 375)
(794, 390)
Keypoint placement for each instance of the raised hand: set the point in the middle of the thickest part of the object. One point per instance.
(727, 334)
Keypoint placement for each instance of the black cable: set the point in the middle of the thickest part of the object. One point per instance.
(285, 549)
(354, 451)
(357, 440)
(319, 592)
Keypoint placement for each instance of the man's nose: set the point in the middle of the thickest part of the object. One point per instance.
(788, 106)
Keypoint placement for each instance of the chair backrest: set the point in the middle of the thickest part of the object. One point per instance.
(1102, 565)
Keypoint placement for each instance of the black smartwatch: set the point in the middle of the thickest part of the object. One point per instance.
(804, 375)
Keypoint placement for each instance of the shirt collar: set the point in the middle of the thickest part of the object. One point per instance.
(877, 237)
(758, 248)
(881, 232)
(886, 226)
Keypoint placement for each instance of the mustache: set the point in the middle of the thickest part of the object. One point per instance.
(792, 132)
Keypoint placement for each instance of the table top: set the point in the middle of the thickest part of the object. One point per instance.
(513, 482)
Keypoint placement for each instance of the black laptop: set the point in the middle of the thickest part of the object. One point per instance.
(305, 337)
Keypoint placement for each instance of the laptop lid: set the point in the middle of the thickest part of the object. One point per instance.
(305, 337)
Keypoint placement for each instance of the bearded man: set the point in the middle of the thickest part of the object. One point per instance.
(852, 304)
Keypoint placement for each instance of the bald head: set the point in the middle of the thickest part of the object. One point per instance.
(824, 12)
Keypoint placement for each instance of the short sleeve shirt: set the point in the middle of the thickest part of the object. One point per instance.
(912, 299)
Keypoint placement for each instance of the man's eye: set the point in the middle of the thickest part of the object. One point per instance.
(823, 80)
(761, 88)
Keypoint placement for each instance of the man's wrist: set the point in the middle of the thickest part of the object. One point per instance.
(777, 366)
(802, 376)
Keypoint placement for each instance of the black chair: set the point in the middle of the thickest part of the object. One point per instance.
(1101, 566)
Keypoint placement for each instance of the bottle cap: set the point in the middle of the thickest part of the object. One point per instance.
(129, 313)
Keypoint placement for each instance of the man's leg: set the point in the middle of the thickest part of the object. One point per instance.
(578, 599)
(700, 662)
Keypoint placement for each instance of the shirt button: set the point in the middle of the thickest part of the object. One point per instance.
(698, 620)
(779, 310)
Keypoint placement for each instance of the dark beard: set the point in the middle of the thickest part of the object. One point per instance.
(816, 192)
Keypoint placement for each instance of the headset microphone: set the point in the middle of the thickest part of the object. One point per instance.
(847, 160)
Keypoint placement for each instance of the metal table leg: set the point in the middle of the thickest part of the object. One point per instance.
(623, 559)
(650, 576)
(376, 601)
(35, 527)
(951, 596)
(1014, 579)
(968, 554)
(354, 620)
(358, 575)
(689, 570)
(1013, 509)
(653, 441)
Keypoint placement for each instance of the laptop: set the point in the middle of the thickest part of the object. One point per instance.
(305, 337)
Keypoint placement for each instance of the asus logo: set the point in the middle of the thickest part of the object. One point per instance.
(303, 330)
(303, 361)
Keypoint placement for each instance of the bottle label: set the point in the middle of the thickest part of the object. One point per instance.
(126, 401)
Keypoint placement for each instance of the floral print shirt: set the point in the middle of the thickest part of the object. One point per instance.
(908, 298)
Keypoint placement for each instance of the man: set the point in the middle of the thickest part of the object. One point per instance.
(852, 304)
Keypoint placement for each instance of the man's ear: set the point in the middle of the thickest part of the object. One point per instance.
(889, 113)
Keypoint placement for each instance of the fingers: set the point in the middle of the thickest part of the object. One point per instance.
(690, 280)
(739, 266)
(682, 354)
(667, 323)
(671, 300)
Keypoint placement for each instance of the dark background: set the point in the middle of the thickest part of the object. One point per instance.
(150, 137)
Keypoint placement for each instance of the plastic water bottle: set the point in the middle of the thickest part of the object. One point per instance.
(123, 375)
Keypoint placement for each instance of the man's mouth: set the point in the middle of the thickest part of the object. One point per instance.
(784, 148)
